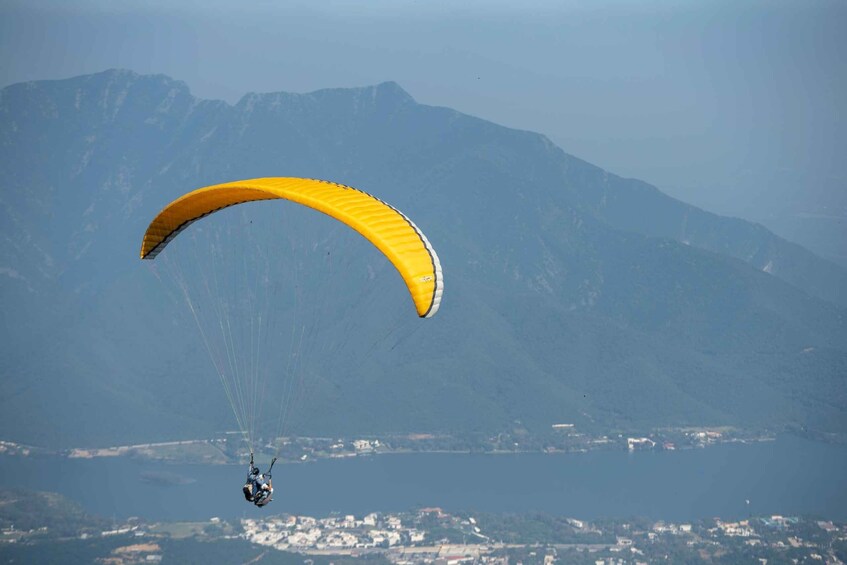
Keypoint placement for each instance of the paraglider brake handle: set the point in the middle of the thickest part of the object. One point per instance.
(272, 464)
(251, 457)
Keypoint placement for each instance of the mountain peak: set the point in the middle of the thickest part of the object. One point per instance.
(394, 90)
(383, 97)
(388, 90)
(129, 77)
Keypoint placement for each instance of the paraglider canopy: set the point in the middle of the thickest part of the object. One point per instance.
(394, 234)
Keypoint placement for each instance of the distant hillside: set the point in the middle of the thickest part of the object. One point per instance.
(59, 515)
(571, 295)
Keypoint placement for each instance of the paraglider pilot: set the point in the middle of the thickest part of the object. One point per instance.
(259, 488)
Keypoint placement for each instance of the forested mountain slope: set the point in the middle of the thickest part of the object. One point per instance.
(571, 295)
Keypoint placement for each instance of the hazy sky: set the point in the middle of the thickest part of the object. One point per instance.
(717, 102)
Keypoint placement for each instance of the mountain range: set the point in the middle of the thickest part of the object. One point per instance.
(571, 294)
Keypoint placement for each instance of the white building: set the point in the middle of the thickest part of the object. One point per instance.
(362, 445)
(633, 442)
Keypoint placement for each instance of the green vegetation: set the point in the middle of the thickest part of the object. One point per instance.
(46, 512)
(571, 295)
(183, 552)
(840, 549)
(192, 551)
(538, 528)
(69, 552)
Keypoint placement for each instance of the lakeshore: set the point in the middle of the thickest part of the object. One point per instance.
(230, 448)
(789, 475)
(426, 535)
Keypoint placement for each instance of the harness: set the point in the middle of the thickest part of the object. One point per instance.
(253, 491)
(264, 496)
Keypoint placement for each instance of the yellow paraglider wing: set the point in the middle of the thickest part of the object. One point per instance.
(387, 228)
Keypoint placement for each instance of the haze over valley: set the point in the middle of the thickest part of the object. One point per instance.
(572, 295)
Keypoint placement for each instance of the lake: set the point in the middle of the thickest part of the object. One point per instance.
(788, 476)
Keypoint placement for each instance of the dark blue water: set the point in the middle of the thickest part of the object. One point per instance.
(788, 476)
